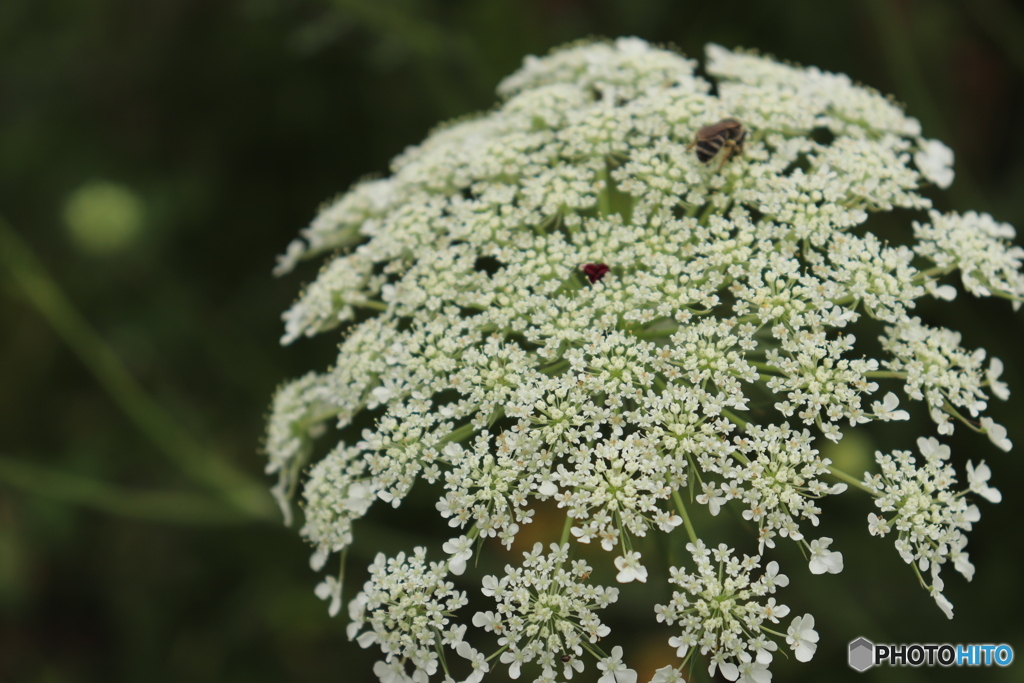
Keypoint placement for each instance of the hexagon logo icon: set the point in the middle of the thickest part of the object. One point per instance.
(862, 654)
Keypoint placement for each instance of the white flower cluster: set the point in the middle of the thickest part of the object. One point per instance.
(720, 611)
(545, 612)
(979, 247)
(408, 604)
(930, 517)
(558, 303)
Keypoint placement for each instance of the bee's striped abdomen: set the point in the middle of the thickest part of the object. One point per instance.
(709, 140)
(707, 149)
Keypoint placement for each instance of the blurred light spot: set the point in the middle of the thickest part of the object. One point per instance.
(103, 217)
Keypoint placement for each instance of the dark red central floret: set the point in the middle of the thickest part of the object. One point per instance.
(595, 271)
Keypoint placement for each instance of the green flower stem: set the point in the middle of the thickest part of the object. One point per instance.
(920, 577)
(496, 654)
(459, 434)
(595, 650)
(740, 458)
(655, 334)
(1007, 296)
(885, 374)
(709, 209)
(604, 197)
(371, 304)
(686, 517)
(764, 367)
(169, 507)
(933, 272)
(664, 327)
(440, 653)
(555, 368)
(949, 408)
(199, 463)
(849, 479)
(735, 418)
(565, 530)
(611, 199)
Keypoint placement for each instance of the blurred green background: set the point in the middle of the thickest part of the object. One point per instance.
(155, 155)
